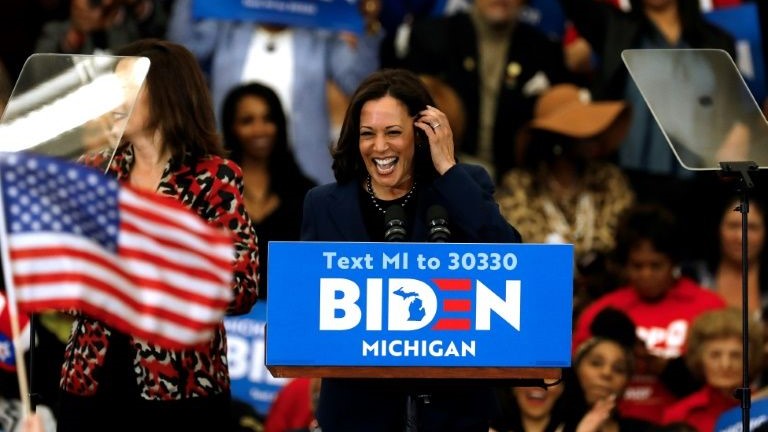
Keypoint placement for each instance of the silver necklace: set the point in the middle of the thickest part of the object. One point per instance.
(375, 201)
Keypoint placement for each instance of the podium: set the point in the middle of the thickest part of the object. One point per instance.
(419, 310)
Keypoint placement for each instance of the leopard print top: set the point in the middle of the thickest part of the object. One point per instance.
(213, 187)
(588, 221)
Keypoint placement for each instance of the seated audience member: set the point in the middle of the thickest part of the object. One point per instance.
(565, 191)
(244, 417)
(528, 409)
(722, 274)
(102, 26)
(256, 135)
(293, 409)
(497, 64)
(302, 61)
(648, 24)
(661, 304)
(602, 367)
(714, 354)
(644, 154)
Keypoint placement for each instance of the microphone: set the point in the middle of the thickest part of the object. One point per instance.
(437, 224)
(394, 223)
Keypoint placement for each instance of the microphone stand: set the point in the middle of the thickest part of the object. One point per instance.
(741, 171)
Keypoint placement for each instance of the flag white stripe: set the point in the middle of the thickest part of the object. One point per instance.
(188, 219)
(180, 256)
(150, 270)
(114, 306)
(152, 228)
(150, 297)
(61, 290)
(72, 264)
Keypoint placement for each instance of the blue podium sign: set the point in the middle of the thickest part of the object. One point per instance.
(419, 305)
(251, 382)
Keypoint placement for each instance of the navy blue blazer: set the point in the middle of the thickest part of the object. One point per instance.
(332, 212)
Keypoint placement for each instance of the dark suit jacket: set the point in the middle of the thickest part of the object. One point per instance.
(332, 212)
(446, 47)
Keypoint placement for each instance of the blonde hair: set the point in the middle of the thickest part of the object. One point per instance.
(719, 324)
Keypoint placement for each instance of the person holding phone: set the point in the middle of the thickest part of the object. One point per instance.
(396, 151)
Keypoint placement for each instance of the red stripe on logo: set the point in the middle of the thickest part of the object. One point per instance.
(452, 324)
(453, 284)
(457, 305)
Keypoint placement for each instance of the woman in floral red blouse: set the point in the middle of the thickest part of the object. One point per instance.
(114, 381)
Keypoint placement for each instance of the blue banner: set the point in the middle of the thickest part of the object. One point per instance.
(730, 421)
(251, 381)
(419, 304)
(327, 14)
(545, 15)
(742, 23)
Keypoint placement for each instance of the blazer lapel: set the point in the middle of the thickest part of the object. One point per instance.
(346, 216)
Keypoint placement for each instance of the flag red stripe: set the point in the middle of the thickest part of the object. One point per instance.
(162, 262)
(128, 227)
(212, 236)
(138, 281)
(28, 283)
(452, 324)
(119, 323)
(147, 283)
(457, 305)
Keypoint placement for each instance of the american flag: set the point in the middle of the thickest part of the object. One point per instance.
(7, 350)
(138, 261)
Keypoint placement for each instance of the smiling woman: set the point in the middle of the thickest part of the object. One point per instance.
(396, 150)
(601, 372)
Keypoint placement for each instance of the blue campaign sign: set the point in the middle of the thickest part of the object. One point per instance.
(251, 382)
(742, 23)
(327, 14)
(419, 304)
(730, 421)
(545, 15)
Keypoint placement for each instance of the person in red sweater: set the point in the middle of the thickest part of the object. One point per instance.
(660, 303)
(715, 355)
(294, 407)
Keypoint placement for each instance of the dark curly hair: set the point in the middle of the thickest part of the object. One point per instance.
(400, 84)
(648, 222)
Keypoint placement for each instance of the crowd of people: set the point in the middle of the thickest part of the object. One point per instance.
(282, 132)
